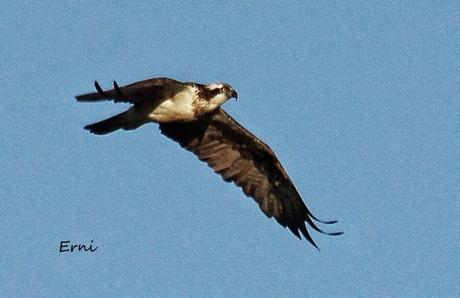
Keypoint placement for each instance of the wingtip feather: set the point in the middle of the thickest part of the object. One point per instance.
(316, 228)
(327, 222)
(307, 236)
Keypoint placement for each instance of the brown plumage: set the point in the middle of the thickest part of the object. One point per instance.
(240, 157)
(216, 138)
(132, 93)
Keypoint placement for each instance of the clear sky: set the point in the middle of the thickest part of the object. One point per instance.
(360, 101)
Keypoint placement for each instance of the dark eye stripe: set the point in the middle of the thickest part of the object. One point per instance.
(208, 94)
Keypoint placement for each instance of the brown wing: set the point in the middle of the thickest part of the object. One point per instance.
(133, 93)
(240, 157)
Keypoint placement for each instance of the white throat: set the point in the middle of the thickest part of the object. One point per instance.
(179, 107)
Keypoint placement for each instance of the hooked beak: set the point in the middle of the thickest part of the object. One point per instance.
(234, 94)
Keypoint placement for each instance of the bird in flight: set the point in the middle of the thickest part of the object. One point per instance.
(191, 114)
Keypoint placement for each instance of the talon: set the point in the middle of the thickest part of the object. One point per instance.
(99, 89)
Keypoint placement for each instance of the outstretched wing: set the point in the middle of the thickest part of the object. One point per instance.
(133, 93)
(240, 157)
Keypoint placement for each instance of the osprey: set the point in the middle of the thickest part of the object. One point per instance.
(190, 114)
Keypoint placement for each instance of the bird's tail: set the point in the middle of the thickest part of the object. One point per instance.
(111, 124)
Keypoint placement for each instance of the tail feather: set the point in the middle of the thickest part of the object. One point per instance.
(110, 125)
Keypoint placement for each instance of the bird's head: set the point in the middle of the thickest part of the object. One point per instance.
(217, 94)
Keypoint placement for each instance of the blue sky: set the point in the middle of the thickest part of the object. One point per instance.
(360, 101)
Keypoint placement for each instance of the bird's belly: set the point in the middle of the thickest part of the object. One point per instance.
(176, 108)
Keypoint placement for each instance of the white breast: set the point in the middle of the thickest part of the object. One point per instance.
(178, 107)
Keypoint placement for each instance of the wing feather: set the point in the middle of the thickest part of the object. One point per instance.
(132, 93)
(240, 157)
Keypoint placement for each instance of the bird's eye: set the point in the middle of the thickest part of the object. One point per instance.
(224, 89)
